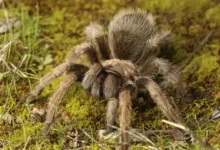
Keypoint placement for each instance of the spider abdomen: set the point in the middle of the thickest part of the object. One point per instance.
(128, 33)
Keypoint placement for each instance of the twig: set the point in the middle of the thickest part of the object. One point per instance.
(175, 125)
(5, 47)
(203, 42)
(205, 39)
(22, 61)
(16, 70)
(194, 136)
(77, 137)
(137, 135)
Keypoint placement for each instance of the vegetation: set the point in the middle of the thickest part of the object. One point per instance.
(49, 29)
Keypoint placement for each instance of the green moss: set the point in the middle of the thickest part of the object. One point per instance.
(202, 66)
(83, 109)
(212, 16)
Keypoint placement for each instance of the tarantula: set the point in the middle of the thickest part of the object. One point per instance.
(123, 69)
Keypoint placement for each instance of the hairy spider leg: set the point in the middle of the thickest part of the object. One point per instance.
(111, 89)
(91, 76)
(125, 107)
(45, 80)
(171, 76)
(59, 70)
(104, 84)
(170, 73)
(119, 71)
(154, 40)
(75, 73)
(97, 87)
(160, 99)
(56, 99)
(99, 40)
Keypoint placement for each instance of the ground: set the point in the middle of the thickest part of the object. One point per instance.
(50, 29)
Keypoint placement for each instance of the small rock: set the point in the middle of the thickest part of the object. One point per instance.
(9, 119)
(38, 111)
(18, 121)
(65, 116)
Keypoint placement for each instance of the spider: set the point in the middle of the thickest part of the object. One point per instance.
(124, 68)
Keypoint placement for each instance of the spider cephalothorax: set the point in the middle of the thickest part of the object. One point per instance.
(123, 68)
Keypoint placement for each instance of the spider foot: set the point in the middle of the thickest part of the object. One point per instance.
(107, 136)
(46, 129)
(30, 98)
